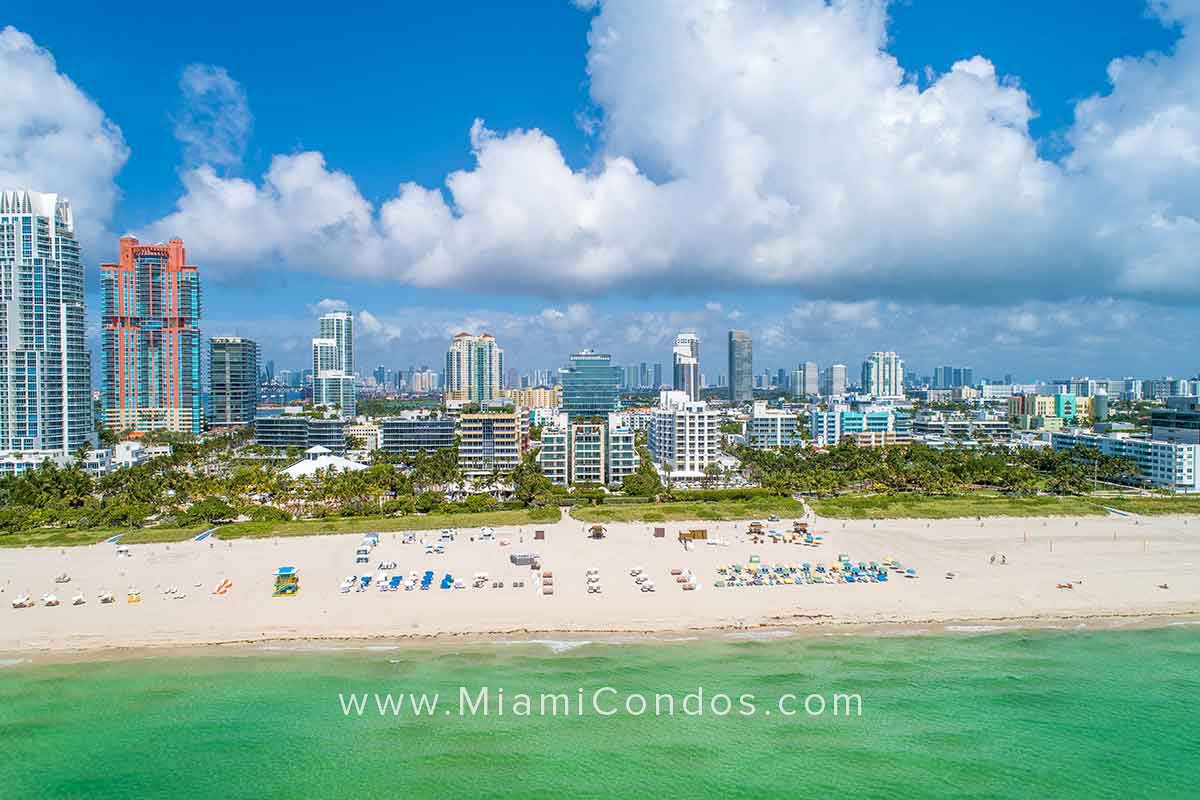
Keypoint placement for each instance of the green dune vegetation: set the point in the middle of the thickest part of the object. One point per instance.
(1154, 506)
(917, 506)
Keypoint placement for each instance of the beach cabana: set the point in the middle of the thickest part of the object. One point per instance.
(597, 532)
(660, 533)
(539, 535)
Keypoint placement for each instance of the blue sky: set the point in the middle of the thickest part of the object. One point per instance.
(389, 96)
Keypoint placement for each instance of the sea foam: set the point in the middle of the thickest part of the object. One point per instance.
(981, 628)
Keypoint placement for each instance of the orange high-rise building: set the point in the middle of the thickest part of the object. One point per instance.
(151, 316)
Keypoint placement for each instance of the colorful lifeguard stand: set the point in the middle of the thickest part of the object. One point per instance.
(287, 582)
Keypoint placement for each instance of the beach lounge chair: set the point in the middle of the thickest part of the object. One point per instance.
(395, 582)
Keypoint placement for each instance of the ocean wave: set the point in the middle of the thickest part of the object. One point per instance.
(1184, 622)
(981, 628)
(12, 662)
(555, 645)
(647, 639)
(305, 648)
(761, 636)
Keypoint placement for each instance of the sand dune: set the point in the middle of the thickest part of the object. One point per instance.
(1116, 565)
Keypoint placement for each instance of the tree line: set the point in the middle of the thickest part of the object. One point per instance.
(919, 468)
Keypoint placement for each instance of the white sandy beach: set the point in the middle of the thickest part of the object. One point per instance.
(1116, 564)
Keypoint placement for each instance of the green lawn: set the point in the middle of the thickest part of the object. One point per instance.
(916, 506)
(758, 508)
(1152, 506)
(69, 537)
(245, 530)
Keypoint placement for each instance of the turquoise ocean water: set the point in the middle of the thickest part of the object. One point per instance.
(1043, 714)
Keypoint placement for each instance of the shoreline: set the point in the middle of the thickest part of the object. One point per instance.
(561, 640)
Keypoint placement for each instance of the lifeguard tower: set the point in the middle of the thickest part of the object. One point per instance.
(287, 582)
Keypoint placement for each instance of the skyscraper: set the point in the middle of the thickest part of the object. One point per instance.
(833, 380)
(883, 375)
(656, 379)
(741, 367)
(152, 356)
(45, 366)
(474, 366)
(952, 377)
(333, 363)
(590, 386)
(339, 326)
(686, 357)
(233, 371)
(806, 381)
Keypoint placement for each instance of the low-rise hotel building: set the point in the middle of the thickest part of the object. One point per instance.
(772, 428)
(1163, 465)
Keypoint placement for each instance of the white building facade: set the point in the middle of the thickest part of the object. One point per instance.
(684, 435)
(883, 375)
(474, 370)
(333, 363)
(1164, 465)
(588, 452)
(45, 364)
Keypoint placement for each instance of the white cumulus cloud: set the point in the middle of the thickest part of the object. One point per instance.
(786, 147)
(328, 304)
(54, 138)
(774, 144)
